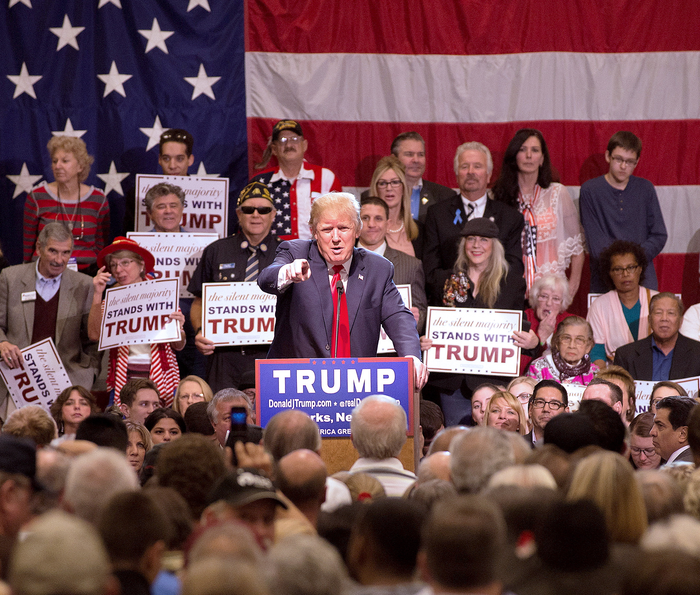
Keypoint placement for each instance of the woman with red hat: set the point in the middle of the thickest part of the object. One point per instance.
(127, 262)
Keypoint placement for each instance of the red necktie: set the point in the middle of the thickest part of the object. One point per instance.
(343, 349)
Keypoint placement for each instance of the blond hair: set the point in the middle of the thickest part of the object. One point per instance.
(77, 148)
(384, 165)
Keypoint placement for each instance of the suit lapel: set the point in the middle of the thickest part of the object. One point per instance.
(65, 296)
(319, 275)
(29, 285)
(356, 285)
(645, 360)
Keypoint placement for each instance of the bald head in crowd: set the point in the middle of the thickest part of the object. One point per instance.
(435, 466)
(301, 476)
(291, 430)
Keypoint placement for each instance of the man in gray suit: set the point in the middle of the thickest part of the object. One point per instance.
(408, 270)
(46, 299)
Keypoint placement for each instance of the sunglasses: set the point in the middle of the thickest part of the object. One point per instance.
(261, 210)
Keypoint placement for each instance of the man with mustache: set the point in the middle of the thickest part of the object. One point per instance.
(444, 222)
(47, 299)
(294, 184)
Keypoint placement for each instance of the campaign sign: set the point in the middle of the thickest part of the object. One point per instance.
(237, 314)
(41, 379)
(329, 389)
(574, 393)
(139, 313)
(176, 254)
(206, 202)
(473, 341)
(642, 390)
(385, 343)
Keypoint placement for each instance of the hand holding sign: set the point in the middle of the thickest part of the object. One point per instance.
(297, 271)
(10, 354)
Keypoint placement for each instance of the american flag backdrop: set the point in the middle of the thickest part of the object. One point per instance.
(358, 73)
(117, 73)
(355, 74)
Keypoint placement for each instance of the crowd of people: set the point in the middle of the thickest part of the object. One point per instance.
(519, 488)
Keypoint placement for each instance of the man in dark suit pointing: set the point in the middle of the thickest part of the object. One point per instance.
(305, 276)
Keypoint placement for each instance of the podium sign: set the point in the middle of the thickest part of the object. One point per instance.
(329, 389)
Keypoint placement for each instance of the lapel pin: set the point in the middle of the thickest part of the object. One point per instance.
(360, 277)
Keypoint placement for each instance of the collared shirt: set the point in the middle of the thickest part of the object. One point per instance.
(182, 230)
(344, 274)
(415, 198)
(479, 206)
(677, 453)
(661, 363)
(47, 287)
(379, 250)
(389, 472)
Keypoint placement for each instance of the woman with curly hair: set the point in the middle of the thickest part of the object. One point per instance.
(83, 209)
(620, 316)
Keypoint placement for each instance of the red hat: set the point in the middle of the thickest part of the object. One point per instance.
(122, 243)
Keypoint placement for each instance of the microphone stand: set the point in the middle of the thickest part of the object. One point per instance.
(339, 290)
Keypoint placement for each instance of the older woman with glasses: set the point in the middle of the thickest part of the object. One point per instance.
(126, 262)
(389, 184)
(620, 316)
(192, 389)
(569, 361)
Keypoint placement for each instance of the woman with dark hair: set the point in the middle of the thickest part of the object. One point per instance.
(663, 389)
(569, 362)
(642, 452)
(620, 316)
(165, 425)
(71, 407)
(552, 237)
(126, 262)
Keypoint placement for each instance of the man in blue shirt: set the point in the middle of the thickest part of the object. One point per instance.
(620, 206)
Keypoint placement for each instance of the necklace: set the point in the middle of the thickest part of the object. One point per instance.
(70, 221)
(396, 230)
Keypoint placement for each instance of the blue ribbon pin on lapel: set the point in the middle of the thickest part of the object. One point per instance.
(458, 217)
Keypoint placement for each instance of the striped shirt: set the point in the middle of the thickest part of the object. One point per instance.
(90, 221)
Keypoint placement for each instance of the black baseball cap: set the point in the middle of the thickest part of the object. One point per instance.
(243, 486)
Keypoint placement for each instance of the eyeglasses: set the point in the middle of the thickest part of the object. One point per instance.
(545, 297)
(192, 397)
(648, 452)
(474, 240)
(578, 341)
(261, 210)
(628, 162)
(393, 183)
(283, 140)
(553, 405)
(524, 397)
(619, 271)
(124, 263)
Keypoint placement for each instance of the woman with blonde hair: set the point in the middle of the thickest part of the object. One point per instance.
(83, 209)
(506, 412)
(192, 389)
(389, 184)
(607, 479)
(139, 444)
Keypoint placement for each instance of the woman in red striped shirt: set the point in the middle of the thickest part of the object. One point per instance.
(83, 209)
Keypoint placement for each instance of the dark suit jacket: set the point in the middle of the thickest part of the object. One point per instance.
(408, 270)
(441, 237)
(305, 310)
(636, 358)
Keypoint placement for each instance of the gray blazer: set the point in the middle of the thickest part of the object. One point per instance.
(78, 354)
